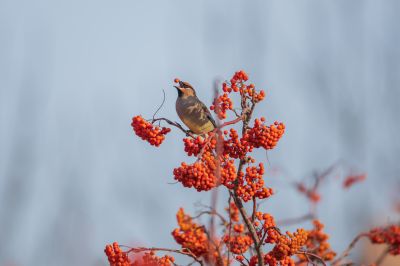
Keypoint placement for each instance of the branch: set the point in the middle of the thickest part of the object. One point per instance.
(246, 117)
(250, 227)
(296, 220)
(230, 223)
(382, 256)
(349, 248)
(185, 252)
(308, 254)
(211, 213)
(159, 108)
(231, 122)
(217, 247)
(187, 132)
(175, 124)
(253, 215)
(266, 232)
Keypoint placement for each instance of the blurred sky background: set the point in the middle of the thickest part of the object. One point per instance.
(74, 177)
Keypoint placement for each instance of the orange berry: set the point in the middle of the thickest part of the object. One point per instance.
(147, 131)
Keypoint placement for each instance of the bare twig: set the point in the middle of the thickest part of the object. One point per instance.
(296, 220)
(312, 255)
(217, 247)
(382, 257)
(185, 252)
(236, 113)
(266, 232)
(249, 224)
(234, 121)
(253, 215)
(175, 124)
(162, 104)
(349, 248)
(230, 224)
(223, 220)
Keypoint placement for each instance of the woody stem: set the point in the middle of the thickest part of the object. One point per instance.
(349, 248)
(246, 114)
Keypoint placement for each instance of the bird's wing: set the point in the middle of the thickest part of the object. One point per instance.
(208, 114)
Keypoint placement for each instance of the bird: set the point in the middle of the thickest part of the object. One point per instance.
(193, 112)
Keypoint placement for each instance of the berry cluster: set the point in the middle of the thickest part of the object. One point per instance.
(289, 244)
(147, 131)
(190, 235)
(233, 146)
(239, 76)
(195, 146)
(150, 259)
(317, 241)
(264, 136)
(251, 184)
(233, 212)
(311, 193)
(272, 261)
(202, 174)
(116, 257)
(268, 227)
(221, 104)
(248, 91)
(352, 179)
(238, 244)
(389, 235)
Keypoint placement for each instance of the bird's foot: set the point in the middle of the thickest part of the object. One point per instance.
(189, 133)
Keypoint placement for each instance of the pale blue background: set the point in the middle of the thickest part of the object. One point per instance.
(73, 177)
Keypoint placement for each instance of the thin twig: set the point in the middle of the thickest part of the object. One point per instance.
(234, 121)
(313, 256)
(236, 114)
(382, 257)
(175, 124)
(217, 247)
(211, 213)
(230, 224)
(296, 220)
(266, 232)
(185, 252)
(159, 108)
(253, 215)
(249, 225)
(207, 142)
(349, 248)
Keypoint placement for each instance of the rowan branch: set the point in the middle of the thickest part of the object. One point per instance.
(246, 117)
(349, 248)
(382, 257)
(296, 220)
(316, 257)
(253, 215)
(185, 252)
(211, 213)
(175, 124)
(266, 232)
